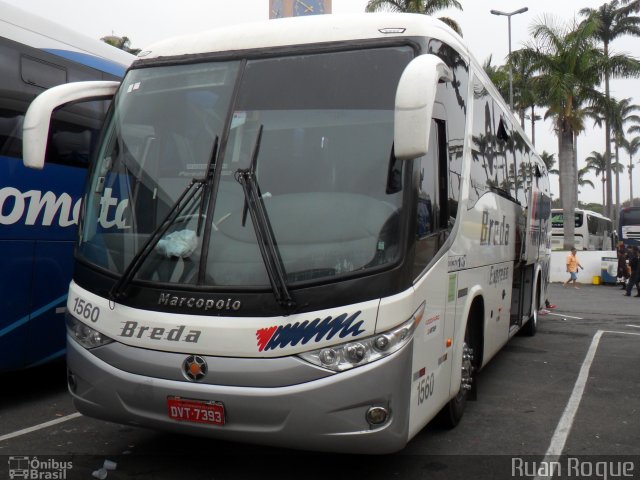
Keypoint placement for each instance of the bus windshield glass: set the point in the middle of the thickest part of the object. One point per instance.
(630, 216)
(557, 219)
(321, 163)
(629, 225)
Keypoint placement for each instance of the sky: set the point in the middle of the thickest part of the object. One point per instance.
(147, 21)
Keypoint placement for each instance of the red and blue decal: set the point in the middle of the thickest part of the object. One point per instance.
(303, 332)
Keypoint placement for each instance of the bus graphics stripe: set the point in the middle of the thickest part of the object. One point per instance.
(280, 336)
(32, 315)
(91, 61)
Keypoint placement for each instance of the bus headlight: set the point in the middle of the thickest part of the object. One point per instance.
(365, 350)
(84, 334)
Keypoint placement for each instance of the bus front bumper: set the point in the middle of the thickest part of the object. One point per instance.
(327, 414)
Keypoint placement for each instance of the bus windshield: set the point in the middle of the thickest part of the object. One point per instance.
(557, 219)
(630, 216)
(629, 225)
(322, 168)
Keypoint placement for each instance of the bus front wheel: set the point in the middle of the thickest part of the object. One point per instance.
(452, 413)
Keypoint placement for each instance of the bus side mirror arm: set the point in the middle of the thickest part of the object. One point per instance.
(415, 97)
(35, 128)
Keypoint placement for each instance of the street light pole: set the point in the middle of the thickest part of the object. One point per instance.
(509, 15)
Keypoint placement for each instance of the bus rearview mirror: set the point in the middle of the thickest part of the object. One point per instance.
(35, 129)
(415, 97)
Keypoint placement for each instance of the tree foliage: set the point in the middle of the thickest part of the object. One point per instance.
(123, 43)
(425, 7)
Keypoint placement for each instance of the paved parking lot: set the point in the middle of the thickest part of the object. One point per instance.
(573, 389)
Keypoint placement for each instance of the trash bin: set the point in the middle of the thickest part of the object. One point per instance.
(609, 270)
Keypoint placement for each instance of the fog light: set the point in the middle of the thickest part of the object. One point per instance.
(377, 415)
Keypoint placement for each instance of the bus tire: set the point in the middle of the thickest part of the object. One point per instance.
(452, 413)
(530, 328)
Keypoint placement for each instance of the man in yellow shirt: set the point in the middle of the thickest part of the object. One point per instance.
(572, 267)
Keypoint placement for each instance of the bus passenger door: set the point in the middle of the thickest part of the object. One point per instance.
(431, 374)
(531, 244)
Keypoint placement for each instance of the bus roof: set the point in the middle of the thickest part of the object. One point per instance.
(306, 30)
(32, 30)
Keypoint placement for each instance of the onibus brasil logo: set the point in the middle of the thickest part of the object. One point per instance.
(38, 469)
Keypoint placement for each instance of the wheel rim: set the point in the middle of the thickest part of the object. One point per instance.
(466, 377)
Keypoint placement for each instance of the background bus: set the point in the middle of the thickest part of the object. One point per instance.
(593, 230)
(39, 209)
(629, 226)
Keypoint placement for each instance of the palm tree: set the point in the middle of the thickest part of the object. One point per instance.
(525, 91)
(598, 163)
(499, 76)
(567, 65)
(622, 113)
(631, 147)
(614, 19)
(619, 112)
(549, 161)
(584, 181)
(426, 7)
(123, 43)
(616, 168)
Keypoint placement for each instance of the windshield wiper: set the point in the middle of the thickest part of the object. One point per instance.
(254, 204)
(185, 198)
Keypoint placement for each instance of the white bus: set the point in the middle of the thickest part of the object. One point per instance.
(308, 232)
(39, 209)
(593, 231)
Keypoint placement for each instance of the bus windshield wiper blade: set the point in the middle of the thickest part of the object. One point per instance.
(185, 198)
(207, 180)
(254, 204)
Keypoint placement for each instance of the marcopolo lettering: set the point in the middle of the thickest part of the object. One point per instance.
(131, 329)
(199, 303)
(303, 332)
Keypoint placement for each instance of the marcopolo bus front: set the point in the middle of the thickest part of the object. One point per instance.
(350, 392)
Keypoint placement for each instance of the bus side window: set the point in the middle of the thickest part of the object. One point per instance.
(522, 160)
(40, 73)
(11, 133)
(73, 133)
(432, 203)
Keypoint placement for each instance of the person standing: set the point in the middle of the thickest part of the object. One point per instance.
(634, 278)
(572, 267)
(623, 271)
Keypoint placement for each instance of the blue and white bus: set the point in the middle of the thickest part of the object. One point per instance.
(309, 232)
(39, 209)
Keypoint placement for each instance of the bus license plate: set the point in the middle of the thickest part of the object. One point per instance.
(195, 411)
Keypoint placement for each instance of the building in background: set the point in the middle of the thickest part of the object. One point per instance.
(298, 8)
